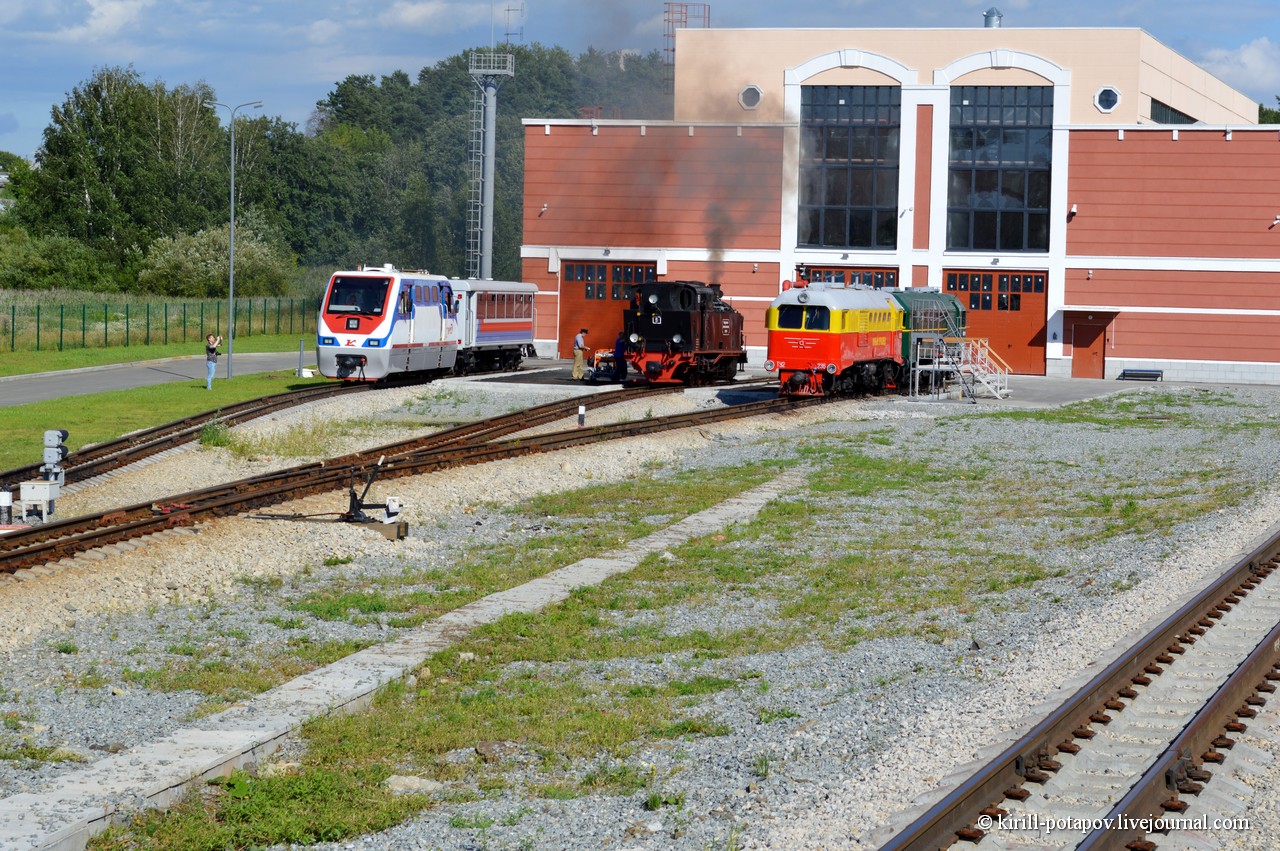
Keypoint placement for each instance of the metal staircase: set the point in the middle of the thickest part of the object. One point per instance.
(944, 357)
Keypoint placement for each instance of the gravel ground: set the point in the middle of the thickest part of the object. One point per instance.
(853, 734)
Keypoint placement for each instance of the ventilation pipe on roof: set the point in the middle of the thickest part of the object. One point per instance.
(991, 18)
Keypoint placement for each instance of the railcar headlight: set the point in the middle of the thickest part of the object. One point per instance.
(803, 298)
(831, 369)
(635, 338)
(653, 298)
(770, 366)
(676, 338)
(328, 341)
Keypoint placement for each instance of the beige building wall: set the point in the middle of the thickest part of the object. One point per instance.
(713, 67)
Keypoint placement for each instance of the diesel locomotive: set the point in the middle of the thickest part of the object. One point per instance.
(831, 339)
(683, 332)
(379, 322)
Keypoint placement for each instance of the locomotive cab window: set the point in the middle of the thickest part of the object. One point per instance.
(791, 317)
(358, 295)
(817, 319)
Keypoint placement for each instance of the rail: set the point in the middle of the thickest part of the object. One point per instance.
(955, 814)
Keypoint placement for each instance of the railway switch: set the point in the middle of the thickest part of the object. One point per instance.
(392, 526)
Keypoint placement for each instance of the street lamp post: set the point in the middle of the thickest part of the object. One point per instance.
(231, 279)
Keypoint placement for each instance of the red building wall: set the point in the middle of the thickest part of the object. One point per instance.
(1209, 328)
(638, 185)
(1149, 194)
(632, 188)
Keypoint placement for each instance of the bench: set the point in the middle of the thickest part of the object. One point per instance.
(1140, 375)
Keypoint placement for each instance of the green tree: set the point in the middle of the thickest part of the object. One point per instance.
(50, 262)
(197, 265)
(131, 172)
(122, 163)
(1267, 115)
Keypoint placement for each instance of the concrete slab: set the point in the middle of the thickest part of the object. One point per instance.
(158, 773)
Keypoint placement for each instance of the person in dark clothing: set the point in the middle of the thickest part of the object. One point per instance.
(211, 353)
(620, 358)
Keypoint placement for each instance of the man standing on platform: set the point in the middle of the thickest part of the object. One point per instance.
(579, 355)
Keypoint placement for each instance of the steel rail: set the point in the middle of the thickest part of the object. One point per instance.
(1181, 768)
(469, 443)
(486, 429)
(1026, 759)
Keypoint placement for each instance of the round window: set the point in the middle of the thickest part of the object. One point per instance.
(750, 97)
(1107, 99)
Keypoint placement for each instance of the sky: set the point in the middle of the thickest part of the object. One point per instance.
(291, 53)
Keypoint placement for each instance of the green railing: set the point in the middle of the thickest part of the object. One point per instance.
(55, 327)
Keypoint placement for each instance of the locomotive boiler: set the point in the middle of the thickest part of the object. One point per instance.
(683, 332)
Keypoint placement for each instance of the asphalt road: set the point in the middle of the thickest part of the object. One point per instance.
(39, 387)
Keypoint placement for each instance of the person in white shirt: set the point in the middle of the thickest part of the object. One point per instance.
(579, 355)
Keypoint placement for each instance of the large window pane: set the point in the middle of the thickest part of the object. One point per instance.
(1011, 231)
(887, 190)
(1013, 189)
(862, 194)
(1001, 159)
(959, 185)
(984, 230)
(834, 222)
(837, 194)
(860, 232)
(850, 140)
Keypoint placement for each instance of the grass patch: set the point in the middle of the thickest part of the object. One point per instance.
(97, 417)
(225, 680)
(215, 433)
(301, 440)
(316, 805)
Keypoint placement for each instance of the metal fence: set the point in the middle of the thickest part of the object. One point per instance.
(55, 327)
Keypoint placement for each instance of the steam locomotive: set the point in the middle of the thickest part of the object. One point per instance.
(683, 332)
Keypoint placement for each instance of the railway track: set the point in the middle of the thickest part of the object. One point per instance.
(471, 443)
(1123, 760)
(91, 461)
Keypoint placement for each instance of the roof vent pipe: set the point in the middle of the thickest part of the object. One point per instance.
(991, 18)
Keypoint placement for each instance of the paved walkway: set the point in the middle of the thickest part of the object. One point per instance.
(157, 773)
(42, 386)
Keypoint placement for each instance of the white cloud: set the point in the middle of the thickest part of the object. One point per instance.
(324, 32)
(1253, 68)
(106, 19)
(435, 16)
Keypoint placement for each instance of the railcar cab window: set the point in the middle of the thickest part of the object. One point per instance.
(358, 295)
(794, 317)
